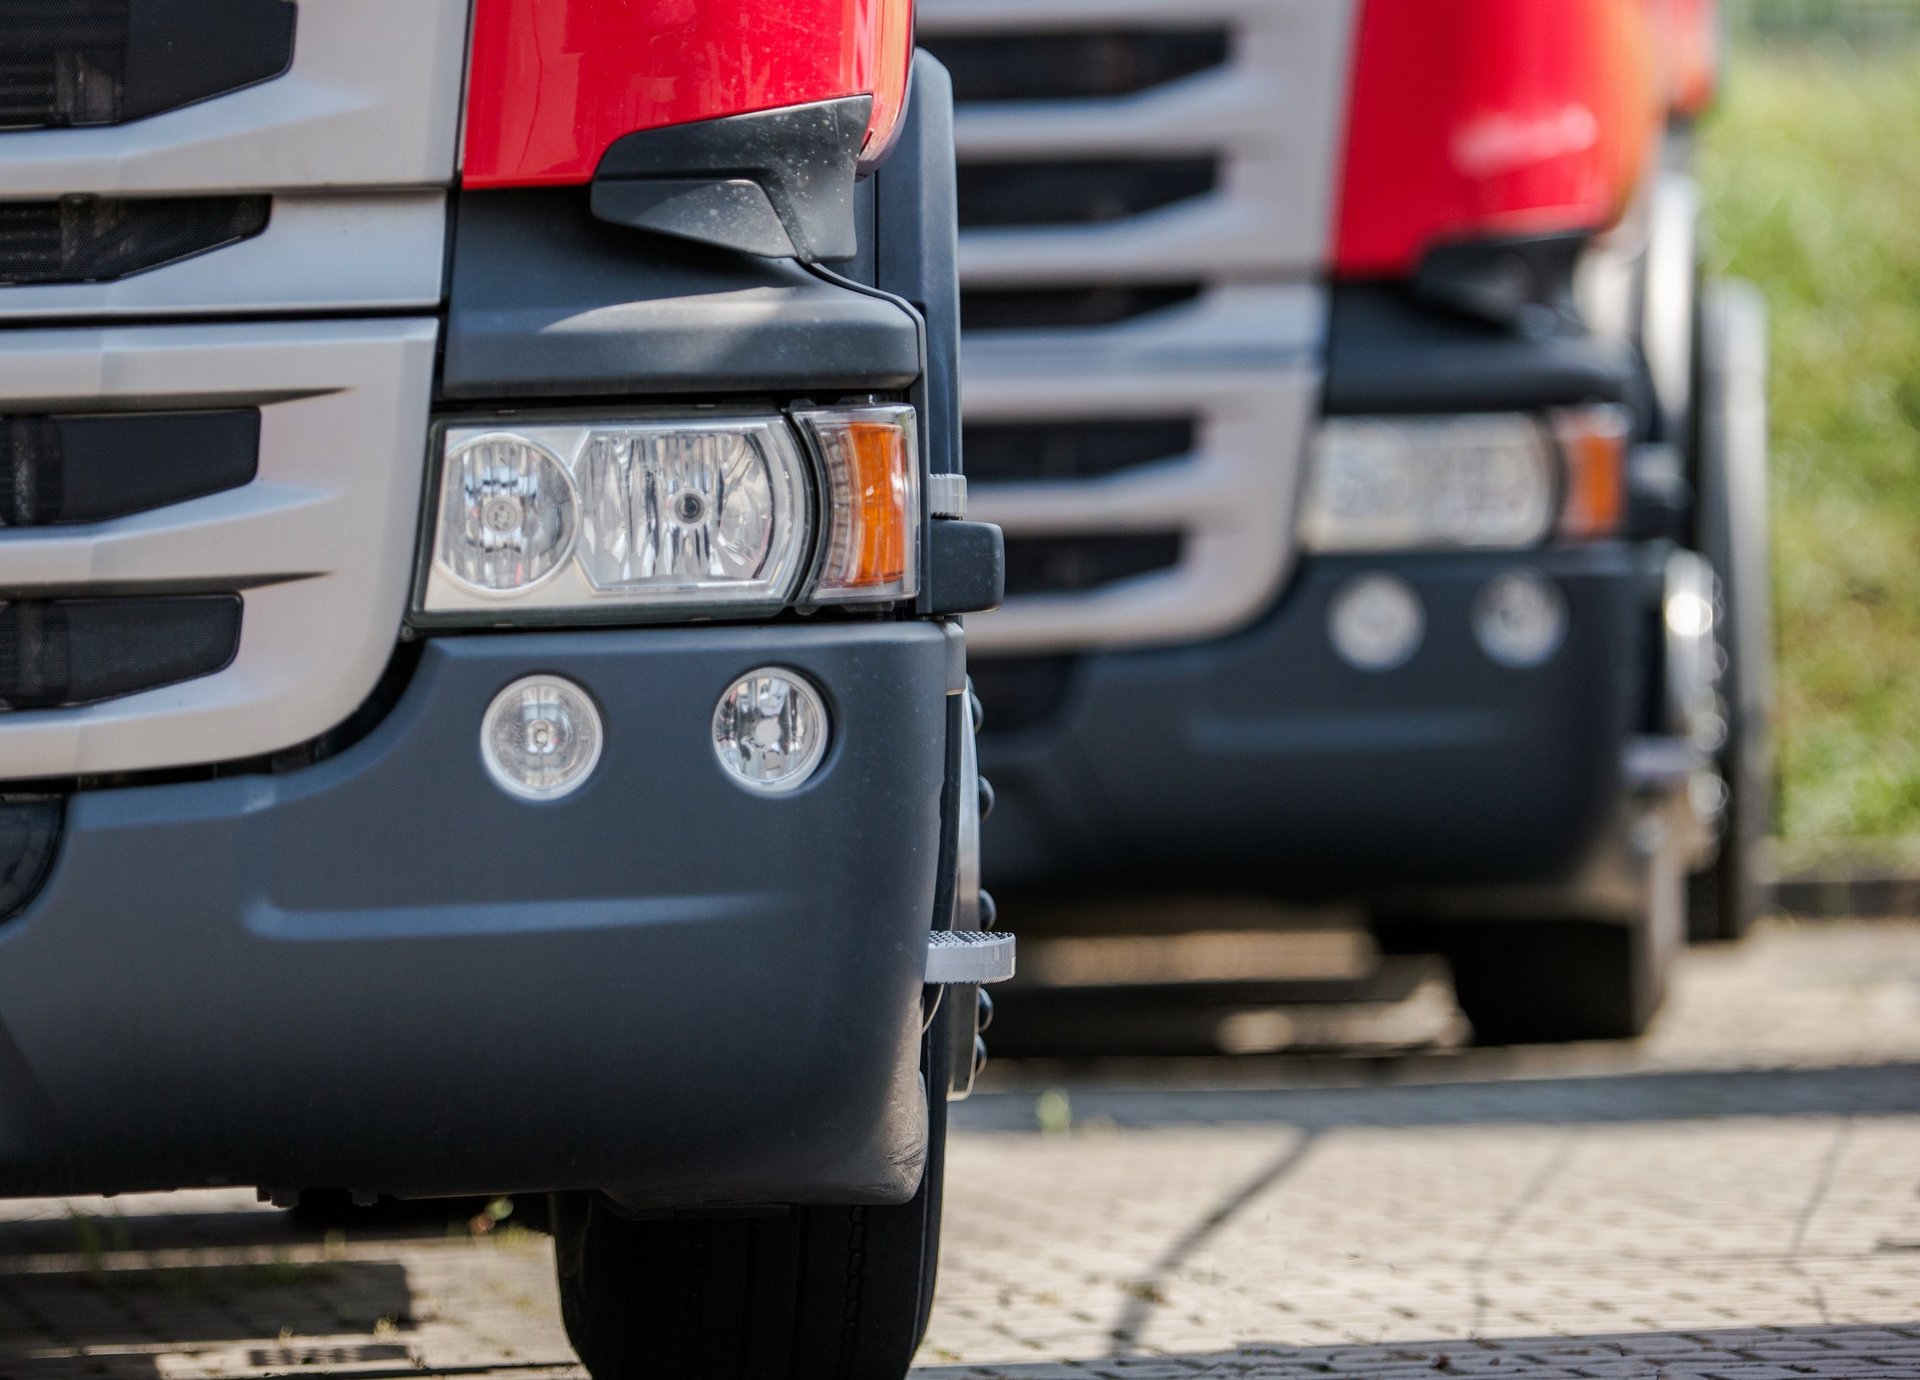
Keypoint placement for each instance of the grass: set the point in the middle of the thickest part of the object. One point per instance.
(1814, 194)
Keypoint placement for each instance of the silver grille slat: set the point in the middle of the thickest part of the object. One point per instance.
(319, 546)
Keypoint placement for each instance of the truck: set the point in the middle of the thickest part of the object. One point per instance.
(483, 695)
(1383, 480)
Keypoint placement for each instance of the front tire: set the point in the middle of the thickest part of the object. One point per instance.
(813, 1293)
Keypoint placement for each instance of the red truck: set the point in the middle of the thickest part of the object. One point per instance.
(483, 702)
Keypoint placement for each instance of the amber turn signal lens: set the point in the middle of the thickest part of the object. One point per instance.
(1593, 441)
(871, 460)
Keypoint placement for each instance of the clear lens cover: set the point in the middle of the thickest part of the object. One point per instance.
(1383, 484)
(770, 730)
(679, 514)
(541, 738)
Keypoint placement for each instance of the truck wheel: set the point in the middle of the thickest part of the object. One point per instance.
(833, 1293)
(1730, 441)
(1551, 981)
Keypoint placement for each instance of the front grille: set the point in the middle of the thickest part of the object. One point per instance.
(1020, 692)
(1038, 452)
(57, 653)
(81, 239)
(1068, 65)
(1069, 565)
(56, 470)
(101, 62)
(1079, 192)
(1065, 308)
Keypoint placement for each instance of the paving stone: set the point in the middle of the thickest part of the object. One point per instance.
(1733, 1198)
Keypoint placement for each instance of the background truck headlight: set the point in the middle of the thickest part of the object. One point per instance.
(1479, 481)
(713, 516)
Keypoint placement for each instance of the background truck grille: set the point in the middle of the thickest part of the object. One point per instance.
(101, 62)
(1144, 213)
(1077, 193)
(81, 239)
(1056, 565)
(1013, 309)
(1071, 65)
(1070, 450)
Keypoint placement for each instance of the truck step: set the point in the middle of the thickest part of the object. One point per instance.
(968, 956)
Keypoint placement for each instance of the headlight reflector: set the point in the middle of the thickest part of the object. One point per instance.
(1402, 483)
(507, 513)
(713, 509)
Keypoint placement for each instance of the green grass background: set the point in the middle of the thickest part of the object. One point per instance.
(1811, 166)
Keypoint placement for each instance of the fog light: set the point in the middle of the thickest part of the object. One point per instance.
(1520, 619)
(1376, 622)
(541, 738)
(770, 730)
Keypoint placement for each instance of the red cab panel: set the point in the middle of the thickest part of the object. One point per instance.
(553, 82)
(1478, 118)
(1690, 41)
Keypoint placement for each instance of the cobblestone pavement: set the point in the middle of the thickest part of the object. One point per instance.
(1733, 1197)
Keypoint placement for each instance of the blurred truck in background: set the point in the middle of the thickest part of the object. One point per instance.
(1384, 487)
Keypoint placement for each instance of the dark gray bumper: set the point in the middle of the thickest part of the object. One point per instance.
(384, 973)
(1264, 762)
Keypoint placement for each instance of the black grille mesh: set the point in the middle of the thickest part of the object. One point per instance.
(81, 239)
(1024, 309)
(56, 653)
(90, 468)
(1077, 192)
(1013, 452)
(100, 62)
(1066, 565)
(1074, 65)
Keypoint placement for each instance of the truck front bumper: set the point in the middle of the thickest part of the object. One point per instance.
(1262, 762)
(384, 973)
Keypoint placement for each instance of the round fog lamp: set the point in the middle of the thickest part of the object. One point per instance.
(1519, 619)
(1376, 622)
(541, 738)
(770, 730)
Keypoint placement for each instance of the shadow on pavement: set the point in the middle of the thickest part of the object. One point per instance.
(1821, 1353)
(1860, 1090)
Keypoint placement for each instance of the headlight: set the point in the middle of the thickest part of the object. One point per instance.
(1384, 484)
(711, 516)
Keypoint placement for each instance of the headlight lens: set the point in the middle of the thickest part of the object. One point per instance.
(1381, 484)
(507, 516)
(681, 514)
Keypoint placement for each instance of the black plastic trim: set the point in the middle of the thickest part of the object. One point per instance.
(548, 302)
(771, 182)
(1389, 353)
